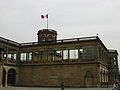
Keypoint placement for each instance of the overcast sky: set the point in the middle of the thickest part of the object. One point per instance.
(20, 19)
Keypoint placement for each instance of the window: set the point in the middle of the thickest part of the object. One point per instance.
(9, 56)
(88, 52)
(50, 38)
(74, 54)
(43, 38)
(5, 56)
(65, 54)
(15, 56)
(23, 57)
(30, 56)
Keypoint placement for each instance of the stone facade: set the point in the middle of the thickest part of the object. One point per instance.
(78, 62)
(73, 75)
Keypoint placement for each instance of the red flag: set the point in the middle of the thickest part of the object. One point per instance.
(42, 16)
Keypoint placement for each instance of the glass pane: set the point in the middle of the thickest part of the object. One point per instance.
(65, 54)
(30, 56)
(88, 52)
(23, 57)
(74, 54)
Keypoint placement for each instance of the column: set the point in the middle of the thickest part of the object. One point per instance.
(62, 55)
(27, 56)
(33, 56)
(18, 57)
(6, 78)
(68, 54)
(78, 54)
(6, 54)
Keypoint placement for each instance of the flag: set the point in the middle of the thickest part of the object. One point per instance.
(44, 16)
(47, 16)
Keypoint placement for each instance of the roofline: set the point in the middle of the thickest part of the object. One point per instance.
(100, 41)
(112, 51)
(10, 42)
(91, 38)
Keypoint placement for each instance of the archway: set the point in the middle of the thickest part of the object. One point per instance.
(4, 77)
(11, 80)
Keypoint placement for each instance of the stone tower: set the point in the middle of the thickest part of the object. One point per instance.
(46, 36)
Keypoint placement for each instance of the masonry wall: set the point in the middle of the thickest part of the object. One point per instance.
(72, 75)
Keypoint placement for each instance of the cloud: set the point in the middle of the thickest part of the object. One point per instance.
(71, 18)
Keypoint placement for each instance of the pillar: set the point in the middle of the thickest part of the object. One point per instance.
(62, 55)
(6, 55)
(33, 56)
(18, 57)
(78, 54)
(68, 54)
(6, 78)
(27, 56)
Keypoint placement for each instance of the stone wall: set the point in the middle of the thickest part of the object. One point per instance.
(72, 75)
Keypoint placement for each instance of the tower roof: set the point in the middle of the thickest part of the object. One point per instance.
(45, 31)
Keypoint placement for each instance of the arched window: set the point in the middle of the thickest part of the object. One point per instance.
(50, 38)
(43, 38)
(104, 76)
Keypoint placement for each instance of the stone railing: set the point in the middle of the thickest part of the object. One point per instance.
(57, 41)
(8, 61)
(61, 41)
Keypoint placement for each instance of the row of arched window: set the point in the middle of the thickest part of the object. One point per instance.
(103, 75)
(48, 37)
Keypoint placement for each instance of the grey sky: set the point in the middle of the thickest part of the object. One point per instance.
(20, 19)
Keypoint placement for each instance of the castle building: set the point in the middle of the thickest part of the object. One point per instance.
(78, 62)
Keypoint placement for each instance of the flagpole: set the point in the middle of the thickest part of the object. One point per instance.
(45, 16)
(47, 23)
(47, 20)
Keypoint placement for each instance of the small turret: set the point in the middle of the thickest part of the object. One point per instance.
(47, 36)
